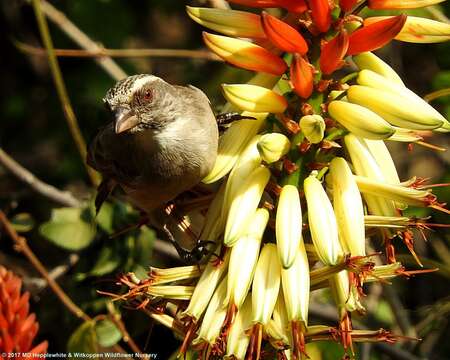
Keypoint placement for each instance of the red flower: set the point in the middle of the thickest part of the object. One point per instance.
(302, 74)
(282, 35)
(347, 5)
(375, 35)
(333, 52)
(256, 3)
(17, 327)
(321, 14)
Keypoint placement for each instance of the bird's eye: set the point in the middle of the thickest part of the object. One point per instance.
(147, 95)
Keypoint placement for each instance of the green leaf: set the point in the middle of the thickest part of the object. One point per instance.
(68, 229)
(107, 261)
(22, 222)
(105, 217)
(107, 333)
(84, 339)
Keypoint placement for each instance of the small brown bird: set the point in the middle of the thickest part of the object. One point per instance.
(162, 142)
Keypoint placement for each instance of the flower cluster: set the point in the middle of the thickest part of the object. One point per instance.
(18, 328)
(303, 181)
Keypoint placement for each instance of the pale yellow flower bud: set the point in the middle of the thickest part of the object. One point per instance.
(176, 292)
(396, 109)
(244, 204)
(254, 98)
(238, 340)
(370, 61)
(205, 288)
(273, 146)
(232, 143)
(266, 284)
(313, 126)
(243, 258)
(406, 135)
(343, 294)
(288, 225)
(295, 283)
(214, 224)
(365, 164)
(229, 22)
(348, 208)
(360, 120)
(376, 81)
(214, 316)
(322, 222)
(278, 326)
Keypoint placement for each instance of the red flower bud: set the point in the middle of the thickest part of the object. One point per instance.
(347, 5)
(333, 52)
(321, 14)
(302, 76)
(282, 35)
(256, 3)
(375, 35)
(295, 6)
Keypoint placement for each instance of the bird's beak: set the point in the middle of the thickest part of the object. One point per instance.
(125, 119)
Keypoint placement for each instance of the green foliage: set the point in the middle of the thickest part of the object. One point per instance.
(23, 222)
(107, 333)
(84, 339)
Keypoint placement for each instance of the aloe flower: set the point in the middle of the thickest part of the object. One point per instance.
(304, 188)
(18, 327)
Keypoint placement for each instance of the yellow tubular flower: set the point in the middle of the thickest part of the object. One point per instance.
(229, 22)
(214, 223)
(244, 204)
(376, 81)
(370, 61)
(295, 284)
(405, 135)
(266, 284)
(247, 162)
(205, 288)
(273, 146)
(398, 193)
(344, 295)
(322, 222)
(288, 225)
(313, 126)
(348, 208)
(360, 120)
(243, 258)
(237, 340)
(214, 316)
(365, 164)
(396, 109)
(254, 98)
(231, 144)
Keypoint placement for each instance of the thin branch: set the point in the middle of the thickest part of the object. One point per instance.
(436, 94)
(102, 52)
(72, 31)
(22, 246)
(116, 319)
(61, 197)
(61, 89)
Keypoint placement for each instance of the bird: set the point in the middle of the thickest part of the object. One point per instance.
(162, 141)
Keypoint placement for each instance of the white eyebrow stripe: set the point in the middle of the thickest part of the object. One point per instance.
(139, 82)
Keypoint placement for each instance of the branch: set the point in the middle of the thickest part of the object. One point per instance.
(102, 52)
(61, 197)
(61, 89)
(72, 31)
(22, 246)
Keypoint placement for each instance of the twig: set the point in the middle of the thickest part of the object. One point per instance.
(102, 52)
(61, 197)
(61, 89)
(116, 319)
(22, 246)
(71, 30)
(436, 94)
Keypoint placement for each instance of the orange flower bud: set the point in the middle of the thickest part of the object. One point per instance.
(333, 52)
(347, 5)
(295, 6)
(282, 35)
(321, 14)
(401, 4)
(375, 35)
(302, 76)
(244, 54)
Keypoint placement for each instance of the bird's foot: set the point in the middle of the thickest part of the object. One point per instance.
(198, 254)
(227, 118)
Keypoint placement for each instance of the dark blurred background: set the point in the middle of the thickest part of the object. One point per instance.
(33, 131)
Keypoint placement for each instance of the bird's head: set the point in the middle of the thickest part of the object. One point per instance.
(137, 102)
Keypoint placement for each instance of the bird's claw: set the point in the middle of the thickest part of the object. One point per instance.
(198, 254)
(227, 118)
